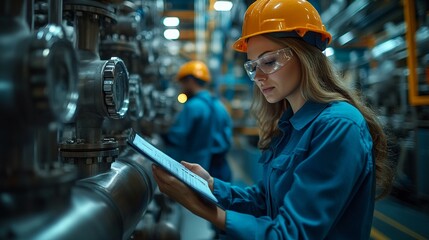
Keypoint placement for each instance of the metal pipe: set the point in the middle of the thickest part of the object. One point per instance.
(87, 36)
(55, 15)
(17, 147)
(30, 14)
(106, 206)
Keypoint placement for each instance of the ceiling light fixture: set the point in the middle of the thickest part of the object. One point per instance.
(171, 21)
(171, 34)
(223, 6)
(347, 37)
(182, 98)
(329, 51)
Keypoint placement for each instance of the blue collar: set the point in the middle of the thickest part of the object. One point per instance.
(307, 113)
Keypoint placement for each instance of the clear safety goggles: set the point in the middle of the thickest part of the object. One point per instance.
(269, 63)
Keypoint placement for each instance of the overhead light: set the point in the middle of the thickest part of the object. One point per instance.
(329, 51)
(223, 6)
(182, 98)
(387, 46)
(171, 34)
(171, 21)
(346, 38)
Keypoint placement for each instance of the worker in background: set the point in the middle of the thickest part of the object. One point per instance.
(202, 131)
(323, 150)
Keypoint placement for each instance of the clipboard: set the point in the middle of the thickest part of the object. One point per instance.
(192, 180)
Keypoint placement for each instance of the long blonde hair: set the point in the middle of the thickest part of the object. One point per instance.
(321, 83)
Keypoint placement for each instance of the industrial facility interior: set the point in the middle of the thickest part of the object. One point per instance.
(77, 75)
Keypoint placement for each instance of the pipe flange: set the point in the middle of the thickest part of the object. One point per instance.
(80, 145)
(127, 7)
(116, 88)
(53, 75)
(89, 158)
(100, 11)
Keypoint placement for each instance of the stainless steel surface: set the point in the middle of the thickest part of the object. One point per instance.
(40, 83)
(90, 159)
(103, 9)
(103, 88)
(135, 109)
(88, 17)
(54, 90)
(32, 180)
(127, 7)
(107, 206)
(29, 14)
(116, 88)
(55, 12)
(87, 34)
(119, 187)
(120, 40)
(103, 94)
(47, 93)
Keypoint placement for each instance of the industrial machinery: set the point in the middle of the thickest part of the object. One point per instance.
(34, 185)
(60, 177)
(382, 49)
(76, 75)
(103, 91)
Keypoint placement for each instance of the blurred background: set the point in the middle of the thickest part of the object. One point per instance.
(76, 75)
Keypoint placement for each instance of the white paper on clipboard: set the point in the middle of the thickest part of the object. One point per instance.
(172, 166)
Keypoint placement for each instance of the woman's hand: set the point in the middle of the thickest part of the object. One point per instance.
(181, 193)
(200, 171)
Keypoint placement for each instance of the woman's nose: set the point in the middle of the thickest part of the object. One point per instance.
(260, 75)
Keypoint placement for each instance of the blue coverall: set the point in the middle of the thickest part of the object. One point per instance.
(318, 180)
(202, 129)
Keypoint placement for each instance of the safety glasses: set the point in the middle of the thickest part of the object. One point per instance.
(269, 63)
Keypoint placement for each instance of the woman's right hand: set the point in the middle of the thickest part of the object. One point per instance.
(200, 171)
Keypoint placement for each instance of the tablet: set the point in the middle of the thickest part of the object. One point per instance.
(172, 166)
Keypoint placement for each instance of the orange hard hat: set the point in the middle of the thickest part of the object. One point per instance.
(197, 69)
(298, 17)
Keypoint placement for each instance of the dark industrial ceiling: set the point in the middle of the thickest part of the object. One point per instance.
(342, 16)
(353, 24)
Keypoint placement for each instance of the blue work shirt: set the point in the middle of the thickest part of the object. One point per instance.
(201, 129)
(318, 180)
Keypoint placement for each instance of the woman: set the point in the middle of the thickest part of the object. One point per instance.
(323, 151)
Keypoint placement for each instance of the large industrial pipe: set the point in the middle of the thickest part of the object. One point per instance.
(106, 206)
